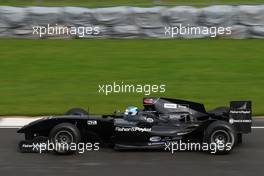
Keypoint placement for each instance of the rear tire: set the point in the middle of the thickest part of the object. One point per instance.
(64, 133)
(222, 136)
(76, 111)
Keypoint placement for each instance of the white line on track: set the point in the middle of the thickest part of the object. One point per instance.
(10, 127)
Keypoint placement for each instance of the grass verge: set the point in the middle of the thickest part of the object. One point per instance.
(49, 76)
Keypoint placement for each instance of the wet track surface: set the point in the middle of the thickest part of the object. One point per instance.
(246, 159)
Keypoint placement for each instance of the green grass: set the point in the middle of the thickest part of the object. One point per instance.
(49, 76)
(98, 3)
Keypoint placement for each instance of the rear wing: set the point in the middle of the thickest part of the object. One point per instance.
(240, 115)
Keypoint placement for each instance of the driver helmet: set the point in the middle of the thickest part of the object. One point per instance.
(131, 110)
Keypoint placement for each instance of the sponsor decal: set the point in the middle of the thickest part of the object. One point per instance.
(173, 106)
(231, 121)
(127, 129)
(156, 143)
(150, 120)
(240, 112)
(181, 106)
(27, 145)
(92, 122)
(183, 133)
(170, 106)
(155, 139)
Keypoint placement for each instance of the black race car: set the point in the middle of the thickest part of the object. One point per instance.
(162, 122)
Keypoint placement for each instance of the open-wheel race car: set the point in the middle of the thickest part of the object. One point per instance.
(160, 122)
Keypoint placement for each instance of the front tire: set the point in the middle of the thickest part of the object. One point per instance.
(222, 136)
(63, 136)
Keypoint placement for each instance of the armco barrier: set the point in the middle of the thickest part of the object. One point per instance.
(129, 22)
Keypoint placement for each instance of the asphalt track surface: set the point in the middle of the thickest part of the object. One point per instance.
(246, 159)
